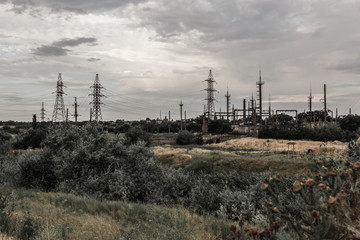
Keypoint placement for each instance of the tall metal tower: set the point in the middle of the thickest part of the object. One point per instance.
(59, 107)
(227, 95)
(76, 111)
(259, 92)
(42, 112)
(96, 111)
(181, 121)
(210, 95)
(269, 108)
(325, 109)
(310, 98)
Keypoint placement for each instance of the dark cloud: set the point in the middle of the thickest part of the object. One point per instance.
(50, 51)
(58, 48)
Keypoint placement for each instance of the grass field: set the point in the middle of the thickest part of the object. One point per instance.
(249, 154)
(65, 216)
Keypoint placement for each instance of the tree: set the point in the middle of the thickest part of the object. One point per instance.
(219, 127)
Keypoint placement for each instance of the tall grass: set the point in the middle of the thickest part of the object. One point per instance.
(66, 216)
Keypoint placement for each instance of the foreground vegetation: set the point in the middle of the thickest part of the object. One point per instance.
(110, 187)
(38, 215)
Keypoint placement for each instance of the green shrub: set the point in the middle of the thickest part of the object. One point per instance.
(219, 127)
(136, 134)
(29, 138)
(185, 137)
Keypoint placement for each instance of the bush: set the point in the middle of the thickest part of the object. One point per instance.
(37, 171)
(4, 141)
(323, 204)
(185, 137)
(293, 131)
(29, 138)
(219, 127)
(136, 134)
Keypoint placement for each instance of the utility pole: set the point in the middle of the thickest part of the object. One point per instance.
(269, 109)
(210, 95)
(325, 109)
(96, 111)
(67, 114)
(227, 95)
(34, 122)
(310, 98)
(259, 90)
(181, 122)
(244, 111)
(350, 111)
(42, 112)
(336, 115)
(59, 107)
(76, 111)
(169, 122)
(185, 120)
(90, 114)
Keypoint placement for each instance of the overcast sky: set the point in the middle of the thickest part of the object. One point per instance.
(151, 54)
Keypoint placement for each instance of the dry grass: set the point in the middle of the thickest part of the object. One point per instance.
(319, 148)
(65, 216)
(249, 154)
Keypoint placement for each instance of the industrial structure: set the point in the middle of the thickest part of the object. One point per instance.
(59, 107)
(96, 102)
(42, 112)
(76, 110)
(210, 96)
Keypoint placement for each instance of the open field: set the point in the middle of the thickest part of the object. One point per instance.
(65, 216)
(249, 154)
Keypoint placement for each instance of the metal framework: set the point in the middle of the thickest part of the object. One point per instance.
(259, 93)
(76, 110)
(59, 107)
(210, 95)
(42, 112)
(181, 121)
(96, 111)
(227, 95)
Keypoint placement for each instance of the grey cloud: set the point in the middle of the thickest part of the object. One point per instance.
(351, 66)
(74, 6)
(57, 48)
(74, 42)
(50, 51)
(94, 59)
(228, 20)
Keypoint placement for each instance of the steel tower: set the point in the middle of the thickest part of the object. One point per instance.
(59, 107)
(210, 95)
(96, 111)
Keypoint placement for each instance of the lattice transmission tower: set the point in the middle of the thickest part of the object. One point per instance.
(59, 107)
(42, 112)
(96, 111)
(210, 95)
